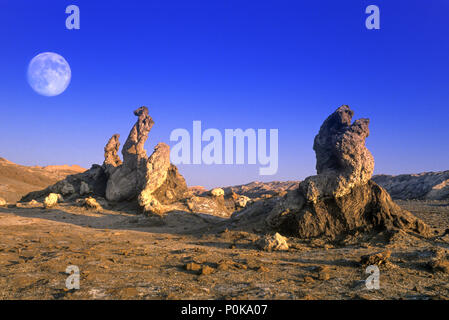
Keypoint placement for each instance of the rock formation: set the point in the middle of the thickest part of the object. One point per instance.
(341, 199)
(343, 161)
(111, 158)
(152, 182)
(156, 174)
(128, 179)
(134, 153)
(51, 200)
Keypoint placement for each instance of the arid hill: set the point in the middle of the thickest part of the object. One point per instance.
(17, 180)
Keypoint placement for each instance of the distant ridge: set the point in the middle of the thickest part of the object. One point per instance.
(17, 180)
(426, 185)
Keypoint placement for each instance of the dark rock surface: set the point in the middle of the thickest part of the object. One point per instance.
(341, 199)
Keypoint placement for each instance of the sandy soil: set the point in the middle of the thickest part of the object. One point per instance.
(122, 255)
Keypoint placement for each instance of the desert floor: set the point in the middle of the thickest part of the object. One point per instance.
(122, 255)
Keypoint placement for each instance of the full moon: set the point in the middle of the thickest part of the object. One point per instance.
(49, 74)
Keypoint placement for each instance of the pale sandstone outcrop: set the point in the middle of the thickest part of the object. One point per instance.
(51, 200)
(156, 174)
(217, 192)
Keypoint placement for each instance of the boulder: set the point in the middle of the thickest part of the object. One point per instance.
(242, 201)
(209, 205)
(217, 192)
(274, 242)
(51, 200)
(2, 202)
(92, 203)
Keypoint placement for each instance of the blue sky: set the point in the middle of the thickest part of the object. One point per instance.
(231, 64)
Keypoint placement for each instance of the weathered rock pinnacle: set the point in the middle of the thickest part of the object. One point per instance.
(133, 149)
(343, 161)
(111, 157)
(341, 199)
(128, 179)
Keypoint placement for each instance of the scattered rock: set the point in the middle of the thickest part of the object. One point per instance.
(308, 279)
(262, 269)
(34, 203)
(211, 205)
(323, 273)
(439, 262)
(224, 265)
(192, 266)
(439, 265)
(242, 201)
(92, 204)
(324, 276)
(217, 192)
(205, 270)
(274, 242)
(380, 258)
(258, 190)
(30, 204)
(51, 200)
